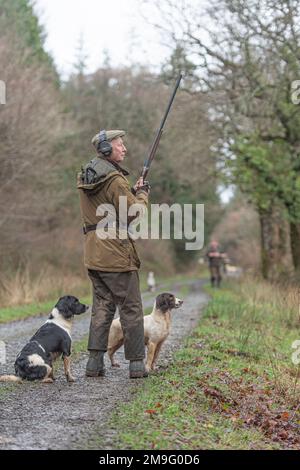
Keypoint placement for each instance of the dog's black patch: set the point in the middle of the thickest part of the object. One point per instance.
(165, 302)
(69, 306)
(23, 368)
(53, 339)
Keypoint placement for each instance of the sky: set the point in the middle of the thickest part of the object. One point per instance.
(113, 25)
(116, 26)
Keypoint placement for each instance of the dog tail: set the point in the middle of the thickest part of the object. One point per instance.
(10, 378)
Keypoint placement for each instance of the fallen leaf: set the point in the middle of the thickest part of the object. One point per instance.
(283, 435)
(151, 412)
(285, 416)
(212, 392)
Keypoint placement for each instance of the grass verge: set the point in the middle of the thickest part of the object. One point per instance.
(21, 312)
(233, 384)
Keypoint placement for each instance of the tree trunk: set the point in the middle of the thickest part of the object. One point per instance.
(275, 244)
(295, 244)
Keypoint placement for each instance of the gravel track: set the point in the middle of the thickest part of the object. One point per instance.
(65, 416)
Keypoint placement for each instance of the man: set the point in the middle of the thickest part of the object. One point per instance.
(215, 260)
(112, 262)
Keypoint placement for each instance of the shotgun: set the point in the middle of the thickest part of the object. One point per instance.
(158, 135)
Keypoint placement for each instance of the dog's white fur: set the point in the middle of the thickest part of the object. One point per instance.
(60, 321)
(156, 329)
(36, 360)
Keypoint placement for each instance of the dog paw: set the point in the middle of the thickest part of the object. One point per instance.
(70, 378)
(115, 364)
(47, 381)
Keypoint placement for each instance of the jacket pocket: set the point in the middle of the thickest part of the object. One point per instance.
(108, 253)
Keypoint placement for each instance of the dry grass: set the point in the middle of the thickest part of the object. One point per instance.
(23, 287)
(281, 300)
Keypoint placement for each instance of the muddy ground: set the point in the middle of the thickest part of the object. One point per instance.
(69, 416)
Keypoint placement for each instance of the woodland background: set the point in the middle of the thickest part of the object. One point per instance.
(233, 124)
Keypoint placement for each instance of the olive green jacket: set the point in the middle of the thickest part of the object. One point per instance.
(111, 255)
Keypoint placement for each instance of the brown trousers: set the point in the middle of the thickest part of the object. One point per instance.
(110, 290)
(215, 275)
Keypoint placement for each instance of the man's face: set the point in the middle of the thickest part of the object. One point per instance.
(118, 150)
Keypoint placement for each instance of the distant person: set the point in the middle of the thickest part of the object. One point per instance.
(215, 261)
(151, 282)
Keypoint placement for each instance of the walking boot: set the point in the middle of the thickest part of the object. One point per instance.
(95, 364)
(137, 369)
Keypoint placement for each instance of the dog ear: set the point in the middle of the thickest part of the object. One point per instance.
(164, 301)
(64, 306)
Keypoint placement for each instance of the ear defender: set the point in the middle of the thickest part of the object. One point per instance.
(104, 146)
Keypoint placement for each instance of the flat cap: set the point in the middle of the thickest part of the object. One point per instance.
(110, 135)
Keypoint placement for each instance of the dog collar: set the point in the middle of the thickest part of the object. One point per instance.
(34, 341)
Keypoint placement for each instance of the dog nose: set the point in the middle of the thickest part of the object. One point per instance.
(178, 302)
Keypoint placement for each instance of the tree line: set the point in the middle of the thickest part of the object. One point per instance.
(45, 136)
(234, 121)
(244, 55)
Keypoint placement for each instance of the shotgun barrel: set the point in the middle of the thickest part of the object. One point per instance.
(159, 132)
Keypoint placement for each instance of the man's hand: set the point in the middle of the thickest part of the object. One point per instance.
(141, 184)
(138, 184)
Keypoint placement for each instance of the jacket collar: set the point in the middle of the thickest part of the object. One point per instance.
(116, 165)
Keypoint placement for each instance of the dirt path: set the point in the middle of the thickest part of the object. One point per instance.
(62, 415)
